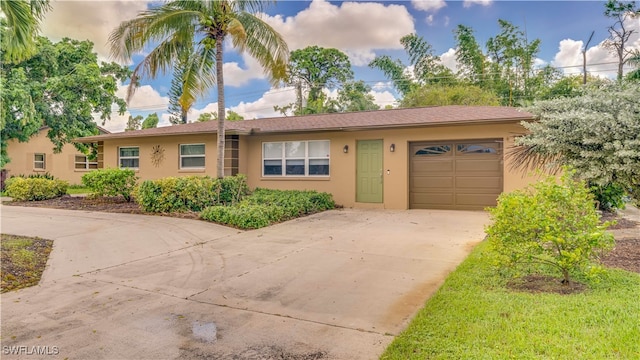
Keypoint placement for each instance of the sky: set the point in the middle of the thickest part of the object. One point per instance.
(362, 30)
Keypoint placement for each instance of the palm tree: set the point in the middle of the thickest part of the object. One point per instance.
(635, 61)
(175, 25)
(20, 26)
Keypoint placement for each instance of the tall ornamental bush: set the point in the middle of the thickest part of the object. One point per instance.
(190, 193)
(111, 182)
(553, 223)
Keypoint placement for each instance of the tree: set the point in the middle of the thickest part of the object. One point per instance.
(151, 121)
(595, 133)
(619, 33)
(549, 223)
(427, 68)
(469, 56)
(134, 123)
(201, 27)
(440, 95)
(634, 60)
(62, 86)
(19, 28)
(511, 58)
(231, 116)
(315, 68)
(355, 96)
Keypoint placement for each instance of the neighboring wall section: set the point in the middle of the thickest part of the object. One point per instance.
(37, 157)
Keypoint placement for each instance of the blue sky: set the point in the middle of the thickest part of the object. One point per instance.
(363, 30)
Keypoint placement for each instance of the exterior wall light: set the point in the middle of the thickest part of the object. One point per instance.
(392, 148)
(345, 149)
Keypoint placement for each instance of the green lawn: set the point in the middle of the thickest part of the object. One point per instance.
(23, 259)
(76, 189)
(474, 316)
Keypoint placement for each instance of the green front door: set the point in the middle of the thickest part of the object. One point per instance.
(369, 171)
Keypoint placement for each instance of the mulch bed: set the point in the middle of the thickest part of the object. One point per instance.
(104, 204)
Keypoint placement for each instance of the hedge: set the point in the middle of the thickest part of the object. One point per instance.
(34, 189)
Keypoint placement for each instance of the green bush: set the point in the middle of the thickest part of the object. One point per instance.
(608, 197)
(265, 207)
(34, 189)
(550, 223)
(111, 182)
(190, 193)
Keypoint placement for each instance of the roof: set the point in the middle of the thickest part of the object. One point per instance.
(364, 120)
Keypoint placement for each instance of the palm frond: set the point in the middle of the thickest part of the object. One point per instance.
(265, 45)
(527, 158)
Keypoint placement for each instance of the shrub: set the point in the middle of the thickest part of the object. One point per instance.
(609, 197)
(190, 193)
(111, 182)
(265, 207)
(549, 223)
(34, 189)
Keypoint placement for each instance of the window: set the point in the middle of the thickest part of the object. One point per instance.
(129, 157)
(192, 156)
(82, 163)
(296, 158)
(38, 161)
(433, 150)
(477, 149)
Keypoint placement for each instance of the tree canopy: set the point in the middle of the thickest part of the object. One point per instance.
(62, 87)
(597, 133)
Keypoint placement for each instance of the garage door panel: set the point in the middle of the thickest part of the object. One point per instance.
(424, 166)
(466, 174)
(490, 165)
(424, 183)
(491, 183)
(424, 200)
(482, 200)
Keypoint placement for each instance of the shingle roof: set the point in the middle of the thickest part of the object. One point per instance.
(395, 118)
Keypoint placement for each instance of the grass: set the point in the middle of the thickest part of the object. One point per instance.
(77, 189)
(474, 316)
(23, 260)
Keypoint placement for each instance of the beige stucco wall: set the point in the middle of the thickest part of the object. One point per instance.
(169, 145)
(61, 165)
(342, 180)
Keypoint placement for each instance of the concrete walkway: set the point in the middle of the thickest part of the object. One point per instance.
(336, 285)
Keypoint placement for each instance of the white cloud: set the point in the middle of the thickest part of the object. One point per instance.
(428, 5)
(357, 28)
(234, 75)
(430, 20)
(263, 107)
(382, 85)
(89, 20)
(469, 3)
(146, 99)
(383, 98)
(448, 59)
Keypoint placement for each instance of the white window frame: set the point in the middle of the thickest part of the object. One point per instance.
(43, 161)
(306, 159)
(203, 156)
(120, 158)
(86, 164)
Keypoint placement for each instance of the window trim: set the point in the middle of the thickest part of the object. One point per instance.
(86, 163)
(43, 161)
(203, 156)
(283, 160)
(120, 157)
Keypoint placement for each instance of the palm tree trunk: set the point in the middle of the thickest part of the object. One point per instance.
(221, 107)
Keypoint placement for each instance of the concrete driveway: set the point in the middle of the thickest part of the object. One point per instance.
(335, 285)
